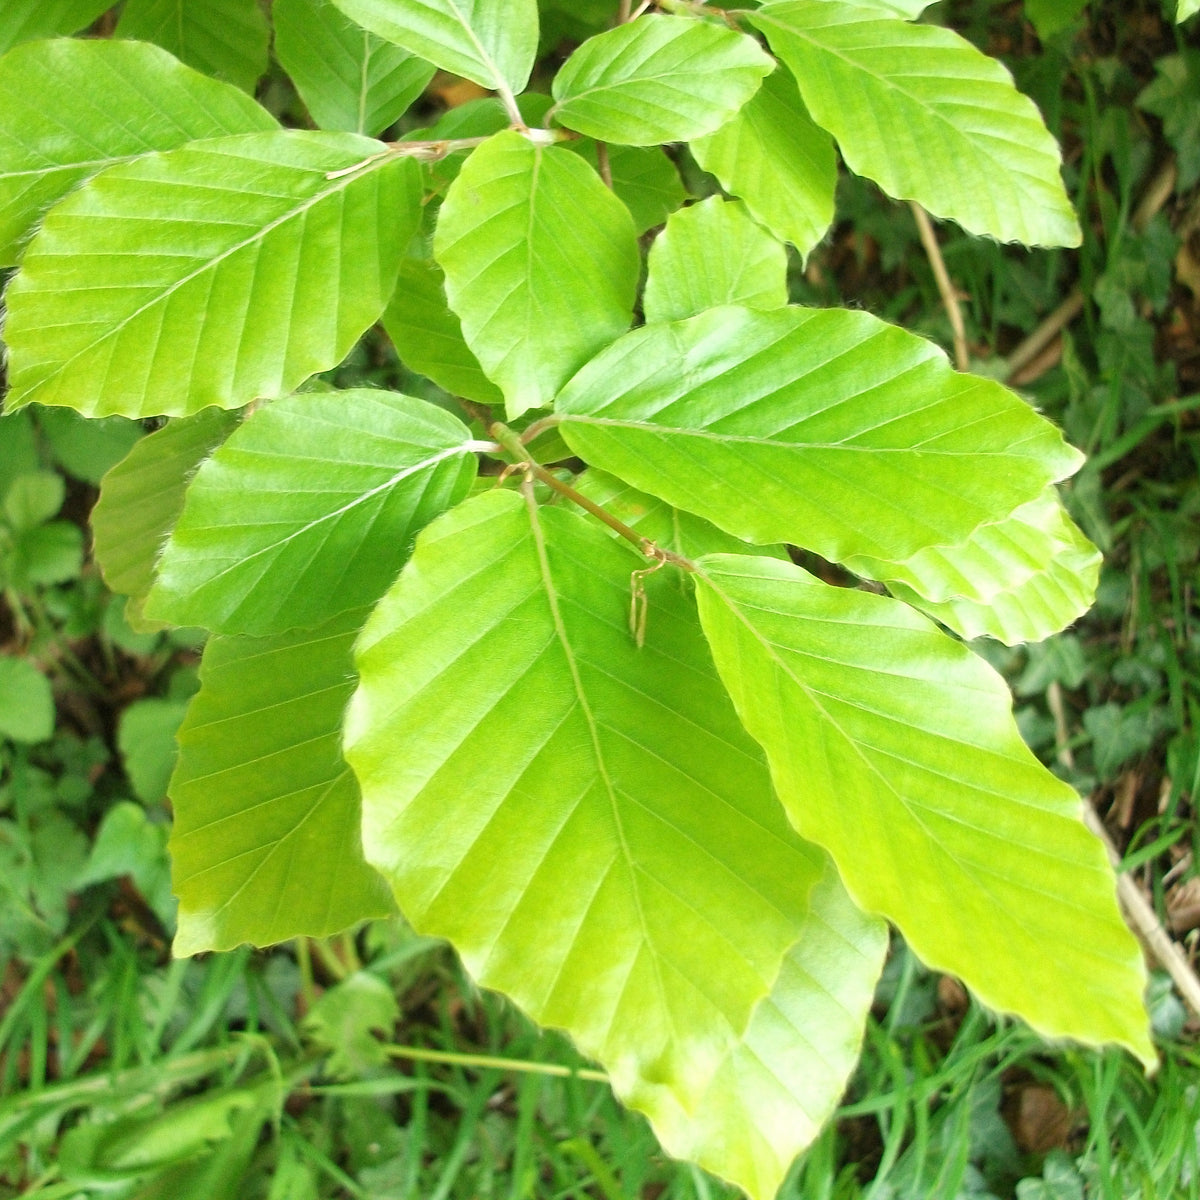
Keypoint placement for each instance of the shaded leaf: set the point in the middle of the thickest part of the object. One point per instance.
(26, 702)
(141, 499)
(129, 843)
(146, 740)
(225, 38)
(778, 160)
(70, 107)
(1019, 580)
(213, 274)
(541, 264)
(927, 116)
(782, 1081)
(348, 78)
(27, 20)
(87, 448)
(491, 42)
(428, 336)
(620, 794)
(643, 177)
(894, 747)
(709, 254)
(265, 844)
(346, 1018)
(847, 432)
(657, 79)
(308, 509)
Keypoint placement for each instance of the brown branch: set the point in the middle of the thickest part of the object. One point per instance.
(962, 357)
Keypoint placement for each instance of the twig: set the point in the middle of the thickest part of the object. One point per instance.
(603, 165)
(962, 357)
(1145, 923)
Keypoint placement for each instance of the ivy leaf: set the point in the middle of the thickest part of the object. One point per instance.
(928, 117)
(709, 254)
(265, 844)
(657, 79)
(778, 160)
(667, 527)
(782, 1082)
(141, 499)
(348, 78)
(851, 435)
(52, 136)
(619, 787)
(491, 42)
(213, 274)
(28, 20)
(225, 38)
(428, 336)
(894, 747)
(541, 264)
(1018, 580)
(310, 508)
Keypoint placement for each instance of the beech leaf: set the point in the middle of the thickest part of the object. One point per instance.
(778, 160)
(216, 273)
(657, 79)
(490, 42)
(28, 20)
(928, 117)
(254, 552)
(894, 747)
(541, 264)
(71, 107)
(265, 844)
(621, 868)
(851, 435)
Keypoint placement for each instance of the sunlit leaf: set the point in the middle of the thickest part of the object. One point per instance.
(71, 107)
(621, 868)
(894, 747)
(347, 77)
(308, 509)
(541, 264)
(217, 273)
(778, 160)
(225, 38)
(265, 843)
(927, 116)
(657, 79)
(491, 42)
(823, 428)
(709, 254)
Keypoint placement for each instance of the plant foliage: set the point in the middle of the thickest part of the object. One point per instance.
(588, 721)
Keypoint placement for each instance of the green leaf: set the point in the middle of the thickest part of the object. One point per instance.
(225, 38)
(26, 702)
(1019, 580)
(491, 42)
(33, 499)
(1049, 17)
(46, 554)
(541, 264)
(1185, 9)
(70, 107)
(620, 790)
(310, 508)
(847, 432)
(782, 1082)
(709, 254)
(643, 177)
(778, 160)
(27, 20)
(894, 747)
(657, 79)
(265, 843)
(927, 116)
(141, 499)
(86, 448)
(213, 274)
(18, 449)
(667, 527)
(129, 843)
(146, 740)
(348, 78)
(428, 336)
(346, 1018)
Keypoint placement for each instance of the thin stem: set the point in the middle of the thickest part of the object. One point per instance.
(512, 443)
(486, 1062)
(962, 358)
(510, 106)
(603, 165)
